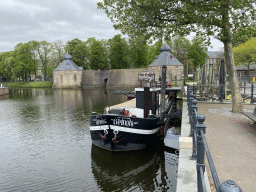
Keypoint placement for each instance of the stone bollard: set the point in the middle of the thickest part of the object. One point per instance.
(200, 150)
(229, 186)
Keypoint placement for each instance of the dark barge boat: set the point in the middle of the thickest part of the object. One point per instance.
(128, 126)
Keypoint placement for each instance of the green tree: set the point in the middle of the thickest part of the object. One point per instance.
(98, 56)
(138, 51)
(24, 64)
(118, 53)
(34, 45)
(245, 54)
(162, 18)
(154, 50)
(44, 51)
(81, 55)
(58, 48)
(243, 34)
(7, 61)
(197, 53)
(70, 45)
(180, 49)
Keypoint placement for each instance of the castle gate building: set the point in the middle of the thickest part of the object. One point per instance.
(67, 74)
(174, 69)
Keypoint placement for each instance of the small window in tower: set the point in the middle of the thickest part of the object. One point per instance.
(75, 77)
(177, 66)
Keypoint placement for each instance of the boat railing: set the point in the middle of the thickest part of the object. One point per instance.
(200, 147)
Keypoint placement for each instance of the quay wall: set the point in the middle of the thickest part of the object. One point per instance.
(4, 90)
(116, 77)
(187, 173)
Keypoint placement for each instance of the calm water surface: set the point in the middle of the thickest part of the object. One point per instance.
(45, 145)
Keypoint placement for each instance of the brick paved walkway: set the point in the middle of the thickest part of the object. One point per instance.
(232, 143)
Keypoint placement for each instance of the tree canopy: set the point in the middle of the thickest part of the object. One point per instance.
(119, 53)
(245, 54)
(197, 52)
(160, 18)
(243, 34)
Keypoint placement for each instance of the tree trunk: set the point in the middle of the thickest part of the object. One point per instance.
(237, 105)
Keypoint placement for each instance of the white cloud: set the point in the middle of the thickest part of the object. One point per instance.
(51, 20)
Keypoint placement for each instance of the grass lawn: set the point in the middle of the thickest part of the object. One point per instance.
(29, 84)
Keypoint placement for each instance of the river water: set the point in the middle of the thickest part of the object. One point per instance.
(45, 145)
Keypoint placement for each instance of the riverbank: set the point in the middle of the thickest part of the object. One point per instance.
(4, 91)
(30, 84)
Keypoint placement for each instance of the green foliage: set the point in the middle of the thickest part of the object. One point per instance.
(30, 84)
(197, 53)
(24, 64)
(140, 56)
(5, 65)
(119, 53)
(245, 53)
(58, 51)
(44, 50)
(98, 56)
(154, 50)
(70, 45)
(81, 55)
(162, 18)
(243, 34)
(138, 51)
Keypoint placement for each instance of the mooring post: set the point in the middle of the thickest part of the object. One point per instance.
(244, 86)
(162, 103)
(200, 151)
(163, 90)
(252, 93)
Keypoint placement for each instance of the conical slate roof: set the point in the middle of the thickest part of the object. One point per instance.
(67, 57)
(68, 65)
(165, 58)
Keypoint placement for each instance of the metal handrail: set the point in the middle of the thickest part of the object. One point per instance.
(197, 132)
(211, 164)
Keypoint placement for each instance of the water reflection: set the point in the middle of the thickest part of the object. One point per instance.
(143, 170)
(45, 145)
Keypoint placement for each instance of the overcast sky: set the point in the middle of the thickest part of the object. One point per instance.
(51, 20)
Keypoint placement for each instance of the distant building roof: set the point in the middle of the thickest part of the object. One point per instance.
(68, 65)
(165, 58)
(245, 68)
(215, 54)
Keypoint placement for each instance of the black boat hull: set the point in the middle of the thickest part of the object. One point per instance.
(120, 133)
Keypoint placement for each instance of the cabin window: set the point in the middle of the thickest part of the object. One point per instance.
(75, 77)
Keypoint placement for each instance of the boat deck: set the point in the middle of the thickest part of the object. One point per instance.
(130, 103)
